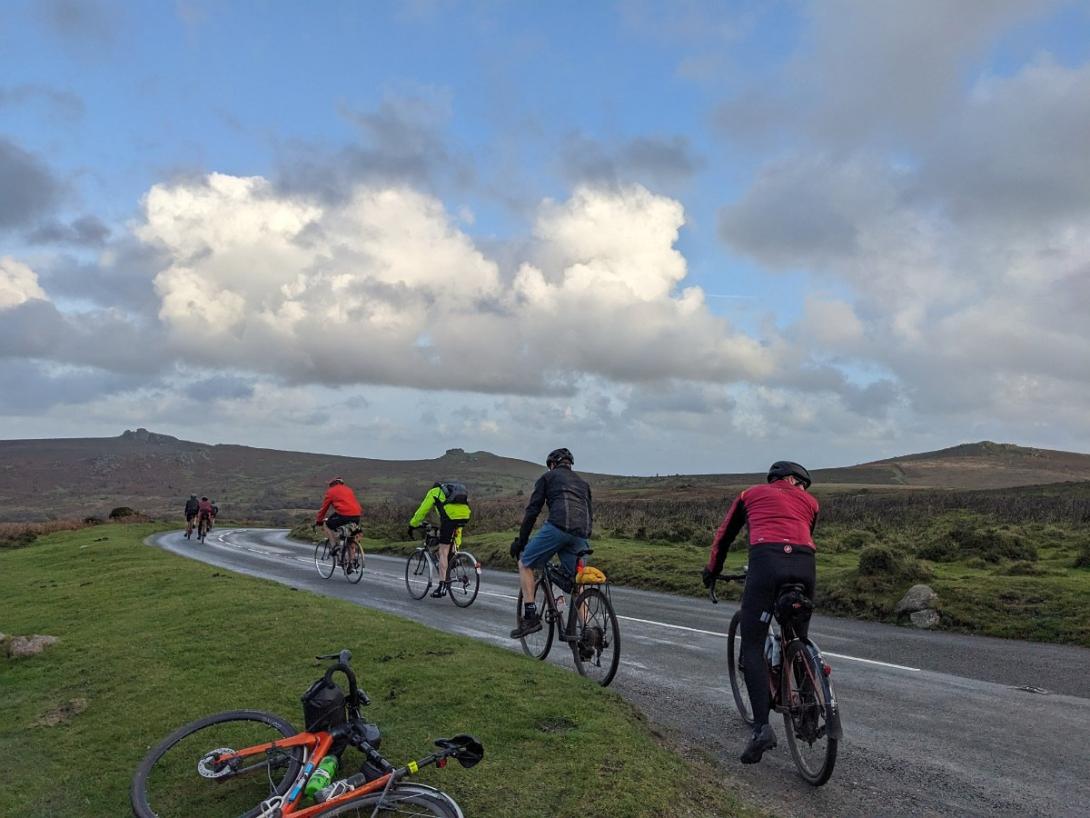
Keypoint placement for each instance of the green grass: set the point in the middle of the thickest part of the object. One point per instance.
(150, 641)
(1014, 580)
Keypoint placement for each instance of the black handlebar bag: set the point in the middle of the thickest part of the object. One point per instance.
(324, 706)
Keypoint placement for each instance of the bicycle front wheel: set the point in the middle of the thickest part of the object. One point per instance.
(403, 800)
(353, 568)
(325, 560)
(179, 778)
(418, 573)
(809, 701)
(736, 670)
(538, 644)
(465, 579)
(597, 651)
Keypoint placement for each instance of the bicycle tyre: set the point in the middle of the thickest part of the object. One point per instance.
(324, 559)
(806, 694)
(734, 669)
(139, 795)
(405, 799)
(202, 532)
(357, 568)
(418, 573)
(465, 579)
(603, 643)
(537, 645)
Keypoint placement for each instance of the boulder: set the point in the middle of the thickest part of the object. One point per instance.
(917, 598)
(20, 647)
(925, 619)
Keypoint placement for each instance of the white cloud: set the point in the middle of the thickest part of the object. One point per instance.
(385, 288)
(18, 283)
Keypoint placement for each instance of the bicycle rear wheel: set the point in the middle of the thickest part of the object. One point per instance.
(465, 579)
(597, 651)
(325, 560)
(736, 670)
(176, 781)
(809, 716)
(538, 644)
(353, 568)
(418, 573)
(403, 800)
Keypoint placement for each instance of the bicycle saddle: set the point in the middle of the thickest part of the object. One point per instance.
(467, 749)
(584, 552)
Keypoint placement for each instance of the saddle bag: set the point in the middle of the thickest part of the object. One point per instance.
(792, 605)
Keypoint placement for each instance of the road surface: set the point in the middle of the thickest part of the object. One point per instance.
(935, 724)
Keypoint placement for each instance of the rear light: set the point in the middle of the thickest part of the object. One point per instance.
(441, 763)
(580, 565)
(826, 669)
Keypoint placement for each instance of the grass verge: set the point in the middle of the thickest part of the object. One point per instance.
(150, 640)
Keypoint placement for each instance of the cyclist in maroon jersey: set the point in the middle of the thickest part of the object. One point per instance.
(780, 515)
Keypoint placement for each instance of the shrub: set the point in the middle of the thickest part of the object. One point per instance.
(942, 550)
(1082, 558)
(1022, 568)
(885, 566)
(992, 544)
(856, 539)
(122, 512)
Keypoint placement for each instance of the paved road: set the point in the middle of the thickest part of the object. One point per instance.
(935, 724)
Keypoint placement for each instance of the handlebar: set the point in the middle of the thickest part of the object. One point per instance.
(726, 578)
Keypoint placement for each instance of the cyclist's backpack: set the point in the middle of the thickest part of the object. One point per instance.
(324, 705)
(454, 491)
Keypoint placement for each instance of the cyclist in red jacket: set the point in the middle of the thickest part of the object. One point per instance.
(780, 516)
(346, 509)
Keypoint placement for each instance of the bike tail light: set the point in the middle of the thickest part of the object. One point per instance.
(826, 669)
(580, 565)
(441, 763)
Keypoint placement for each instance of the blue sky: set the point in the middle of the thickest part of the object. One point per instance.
(878, 214)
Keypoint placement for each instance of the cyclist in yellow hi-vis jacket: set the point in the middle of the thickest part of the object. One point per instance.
(451, 500)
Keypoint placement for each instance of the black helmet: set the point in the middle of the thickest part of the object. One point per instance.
(785, 468)
(559, 456)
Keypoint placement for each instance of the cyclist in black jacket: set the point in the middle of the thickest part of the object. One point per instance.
(564, 533)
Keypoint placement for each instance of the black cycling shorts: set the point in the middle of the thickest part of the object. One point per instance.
(447, 530)
(335, 521)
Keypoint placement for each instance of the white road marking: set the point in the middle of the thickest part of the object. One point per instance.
(396, 578)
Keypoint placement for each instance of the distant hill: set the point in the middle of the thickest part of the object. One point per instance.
(154, 473)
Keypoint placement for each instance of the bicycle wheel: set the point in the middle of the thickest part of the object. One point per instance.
(538, 644)
(807, 695)
(418, 573)
(202, 532)
(465, 579)
(353, 568)
(175, 781)
(405, 799)
(735, 669)
(597, 651)
(325, 560)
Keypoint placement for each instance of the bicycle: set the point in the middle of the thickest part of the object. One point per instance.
(463, 570)
(328, 557)
(196, 771)
(590, 625)
(203, 526)
(799, 683)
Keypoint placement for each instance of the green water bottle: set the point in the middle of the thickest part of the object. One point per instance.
(322, 776)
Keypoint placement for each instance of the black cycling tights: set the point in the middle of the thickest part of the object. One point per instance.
(769, 568)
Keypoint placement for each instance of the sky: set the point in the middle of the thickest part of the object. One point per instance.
(674, 237)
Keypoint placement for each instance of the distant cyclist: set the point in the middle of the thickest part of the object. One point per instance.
(192, 505)
(780, 516)
(450, 500)
(346, 509)
(215, 511)
(564, 533)
(204, 513)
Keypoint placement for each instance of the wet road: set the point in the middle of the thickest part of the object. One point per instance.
(935, 723)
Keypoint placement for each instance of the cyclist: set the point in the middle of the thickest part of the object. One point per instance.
(215, 512)
(451, 501)
(204, 513)
(780, 515)
(564, 533)
(191, 507)
(346, 509)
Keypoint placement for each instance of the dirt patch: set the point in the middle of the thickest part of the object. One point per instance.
(61, 715)
(556, 724)
(20, 647)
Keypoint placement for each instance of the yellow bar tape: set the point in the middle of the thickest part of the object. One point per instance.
(414, 768)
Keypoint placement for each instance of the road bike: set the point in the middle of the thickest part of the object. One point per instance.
(328, 557)
(203, 526)
(589, 625)
(254, 764)
(463, 570)
(799, 683)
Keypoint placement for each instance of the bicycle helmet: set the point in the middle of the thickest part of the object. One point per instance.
(336, 481)
(785, 468)
(559, 456)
